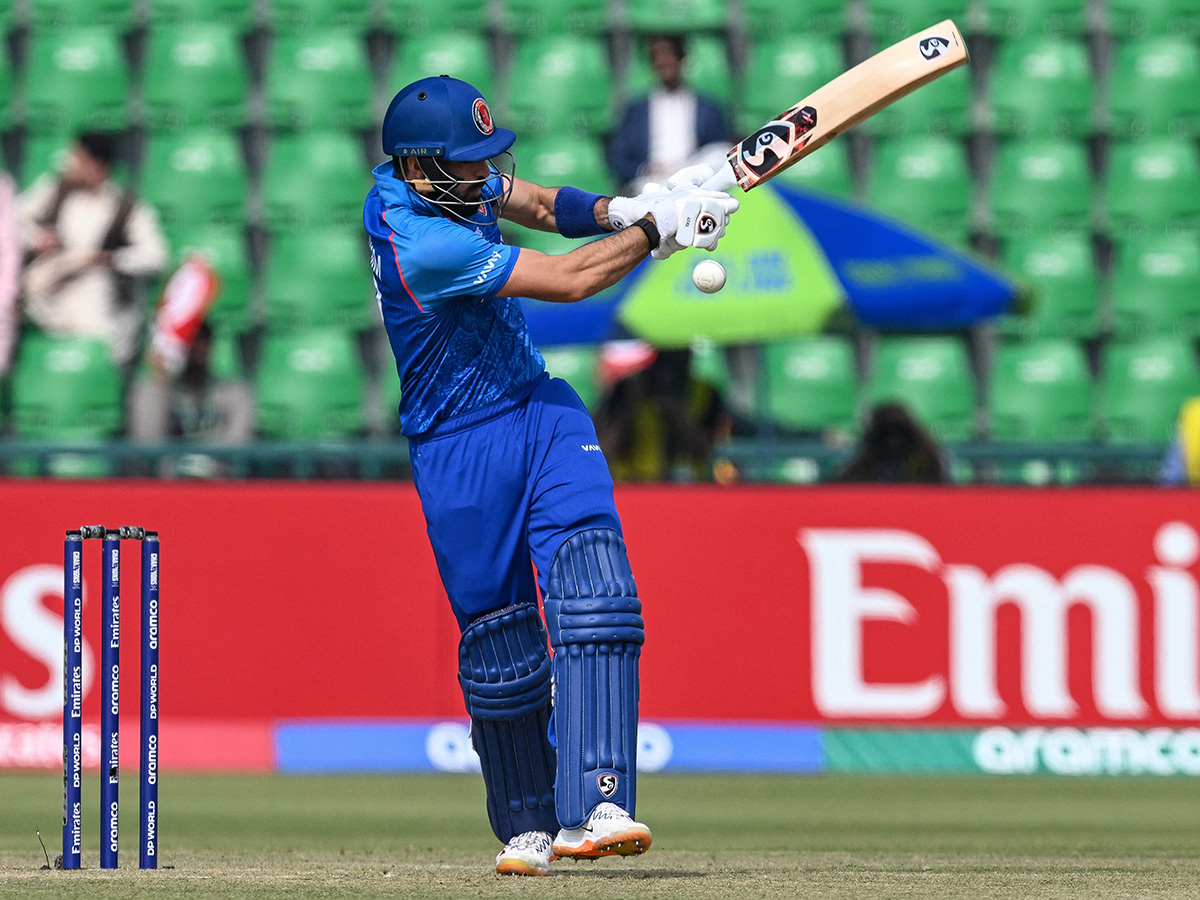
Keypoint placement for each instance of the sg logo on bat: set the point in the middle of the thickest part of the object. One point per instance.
(933, 46)
(763, 151)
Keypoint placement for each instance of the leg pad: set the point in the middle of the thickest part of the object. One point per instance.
(505, 674)
(596, 630)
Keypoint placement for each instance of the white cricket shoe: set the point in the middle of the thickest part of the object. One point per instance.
(526, 854)
(608, 831)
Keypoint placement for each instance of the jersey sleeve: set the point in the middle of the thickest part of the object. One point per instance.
(454, 261)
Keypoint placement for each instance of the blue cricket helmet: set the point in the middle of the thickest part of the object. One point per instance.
(443, 117)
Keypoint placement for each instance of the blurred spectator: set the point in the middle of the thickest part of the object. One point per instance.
(10, 269)
(84, 236)
(895, 448)
(656, 422)
(1181, 467)
(183, 394)
(671, 128)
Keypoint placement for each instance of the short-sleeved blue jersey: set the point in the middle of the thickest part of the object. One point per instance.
(458, 346)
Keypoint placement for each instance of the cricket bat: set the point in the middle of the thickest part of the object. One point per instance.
(841, 104)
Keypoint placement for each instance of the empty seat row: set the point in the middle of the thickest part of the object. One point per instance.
(308, 385)
(1036, 390)
(197, 74)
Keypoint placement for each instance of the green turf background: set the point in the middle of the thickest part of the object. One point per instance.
(732, 838)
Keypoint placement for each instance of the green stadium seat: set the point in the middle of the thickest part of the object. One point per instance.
(65, 389)
(318, 278)
(892, 20)
(319, 80)
(781, 71)
(1040, 390)
(51, 14)
(297, 16)
(577, 367)
(777, 18)
(194, 178)
(8, 92)
(309, 386)
(225, 357)
(676, 15)
(415, 17)
(1155, 88)
(194, 75)
(706, 70)
(224, 247)
(237, 14)
(826, 170)
(942, 107)
(1017, 18)
(1041, 86)
(575, 161)
(1061, 269)
(76, 78)
(925, 183)
(810, 384)
(1143, 384)
(1141, 18)
(460, 54)
(536, 17)
(1156, 287)
(1040, 185)
(1152, 185)
(932, 377)
(559, 84)
(336, 181)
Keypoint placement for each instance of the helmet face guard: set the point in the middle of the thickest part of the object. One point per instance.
(461, 197)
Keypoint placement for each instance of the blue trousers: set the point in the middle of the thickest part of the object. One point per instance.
(505, 485)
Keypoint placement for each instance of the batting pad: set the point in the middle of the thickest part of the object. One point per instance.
(596, 629)
(504, 670)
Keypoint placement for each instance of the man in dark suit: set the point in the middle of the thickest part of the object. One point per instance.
(669, 128)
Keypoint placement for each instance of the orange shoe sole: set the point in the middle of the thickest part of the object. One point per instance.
(516, 867)
(625, 843)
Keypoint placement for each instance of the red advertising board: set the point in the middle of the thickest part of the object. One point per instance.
(828, 605)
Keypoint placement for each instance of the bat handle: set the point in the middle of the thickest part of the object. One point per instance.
(722, 180)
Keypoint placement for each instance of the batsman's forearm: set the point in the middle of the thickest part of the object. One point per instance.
(603, 263)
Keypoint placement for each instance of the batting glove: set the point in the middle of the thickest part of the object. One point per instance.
(624, 211)
(690, 217)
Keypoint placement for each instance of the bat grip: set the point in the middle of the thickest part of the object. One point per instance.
(722, 180)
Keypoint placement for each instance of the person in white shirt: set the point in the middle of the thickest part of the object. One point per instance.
(670, 128)
(80, 232)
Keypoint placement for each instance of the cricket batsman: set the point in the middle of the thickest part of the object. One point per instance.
(507, 465)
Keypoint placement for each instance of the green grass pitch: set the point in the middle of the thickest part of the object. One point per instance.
(719, 837)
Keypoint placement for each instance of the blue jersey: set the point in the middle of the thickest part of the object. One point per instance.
(458, 346)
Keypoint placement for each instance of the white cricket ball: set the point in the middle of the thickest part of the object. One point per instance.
(709, 276)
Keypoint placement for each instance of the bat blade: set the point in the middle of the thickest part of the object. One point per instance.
(841, 104)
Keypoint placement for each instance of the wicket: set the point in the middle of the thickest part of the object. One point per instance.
(110, 670)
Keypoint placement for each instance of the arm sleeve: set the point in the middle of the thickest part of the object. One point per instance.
(449, 262)
(146, 252)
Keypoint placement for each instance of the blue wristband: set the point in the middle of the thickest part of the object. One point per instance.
(575, 213)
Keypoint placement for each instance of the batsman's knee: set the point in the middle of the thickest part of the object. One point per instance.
(591, 596)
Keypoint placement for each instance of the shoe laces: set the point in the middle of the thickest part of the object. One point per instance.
(534, 841)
